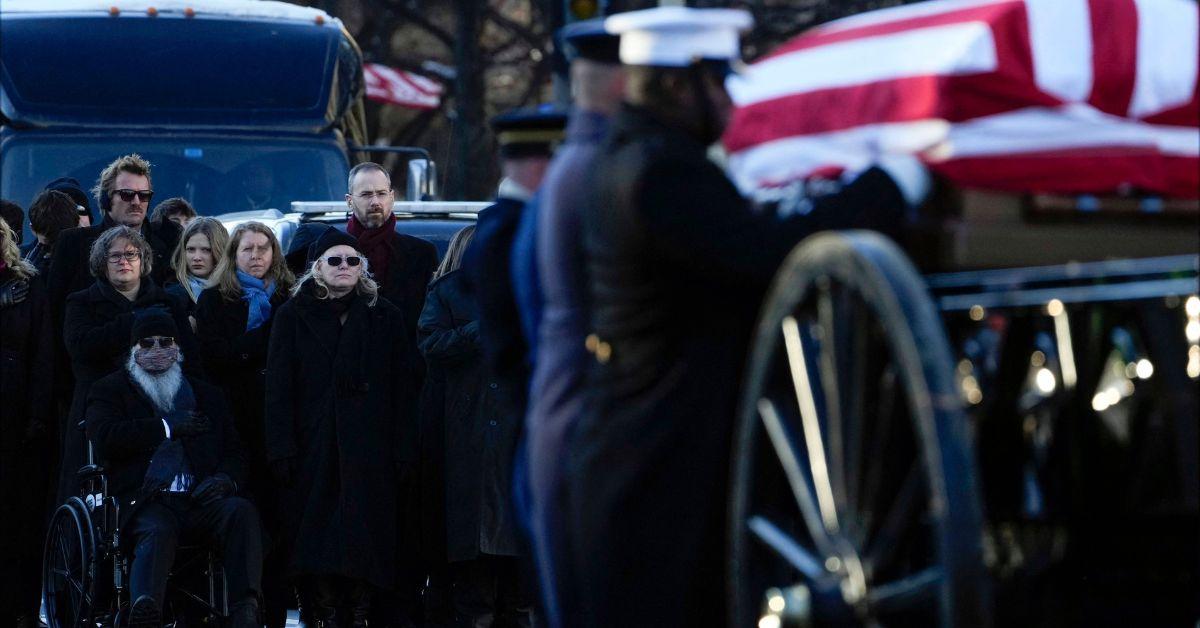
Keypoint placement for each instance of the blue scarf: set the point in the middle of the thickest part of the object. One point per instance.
(257, 295)
(197, 284)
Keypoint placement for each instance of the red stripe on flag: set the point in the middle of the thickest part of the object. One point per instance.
(1078, 172)
(1114, 54)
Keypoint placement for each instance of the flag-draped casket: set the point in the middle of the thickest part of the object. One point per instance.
(1065, 96)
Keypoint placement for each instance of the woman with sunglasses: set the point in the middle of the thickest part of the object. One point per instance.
(233, 322)
(195, 259)
(341, 428)
(97, 324)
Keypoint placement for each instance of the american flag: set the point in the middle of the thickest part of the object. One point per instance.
(389, 85)
(1060, 96)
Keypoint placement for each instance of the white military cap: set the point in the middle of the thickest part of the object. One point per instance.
(678, 36)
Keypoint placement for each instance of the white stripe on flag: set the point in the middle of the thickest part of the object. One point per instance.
(1025, 131)
(1168, 31)
(1064, 128)
(964, 48)
(903, 12)
(1060, 39)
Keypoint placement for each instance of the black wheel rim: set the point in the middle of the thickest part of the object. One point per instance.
(842, 510)
(67, 567)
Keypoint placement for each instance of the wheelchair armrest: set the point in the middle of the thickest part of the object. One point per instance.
(88, 472)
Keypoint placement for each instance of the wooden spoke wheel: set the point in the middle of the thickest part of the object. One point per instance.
(853, 494)
(68, 566)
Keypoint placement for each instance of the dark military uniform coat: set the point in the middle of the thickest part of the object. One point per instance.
(678, 266)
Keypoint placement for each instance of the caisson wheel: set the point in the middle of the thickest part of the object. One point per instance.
(853, 495)
(68, 566)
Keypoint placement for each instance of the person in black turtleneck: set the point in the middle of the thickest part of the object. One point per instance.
(341, 428)
(96, 328)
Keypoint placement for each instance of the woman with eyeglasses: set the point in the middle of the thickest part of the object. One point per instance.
(341, 429)
(233, 323)
(96, 328)
(195, 259)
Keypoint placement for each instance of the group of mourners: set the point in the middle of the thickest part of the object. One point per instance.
(535, 430)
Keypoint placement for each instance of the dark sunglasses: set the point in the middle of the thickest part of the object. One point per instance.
(166, 342)
(336, 260)
(127, 195)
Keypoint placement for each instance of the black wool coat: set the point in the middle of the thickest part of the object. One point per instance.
(126, 430)
(236, 360)
(341, 403)
(480, 436)
(678, 266)
(26, 367)
(97, 335)
(410, 269)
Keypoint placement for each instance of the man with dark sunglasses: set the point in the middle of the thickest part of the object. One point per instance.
(124, 191)
(174, 462)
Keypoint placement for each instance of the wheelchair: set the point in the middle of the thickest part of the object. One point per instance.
(85, 571)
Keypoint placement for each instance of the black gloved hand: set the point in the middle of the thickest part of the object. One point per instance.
(283, 470)
(214, 487)
(188, 425)
(13, 292)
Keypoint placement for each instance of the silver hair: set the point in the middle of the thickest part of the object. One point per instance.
(366, 283)
(160, 387)
(98, 257)
(363, 167)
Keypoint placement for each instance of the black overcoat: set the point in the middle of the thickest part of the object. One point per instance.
(678, 265)
(27, 425)
(341, 402)
(97, 335)
(410, 269)
(126, 430)
(480, 436)
(236, 360)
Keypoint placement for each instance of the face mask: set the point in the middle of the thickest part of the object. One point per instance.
(156, 360)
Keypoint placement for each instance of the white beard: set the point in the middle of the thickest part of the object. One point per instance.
(160, 388)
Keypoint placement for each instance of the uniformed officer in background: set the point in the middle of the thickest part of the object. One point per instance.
(678, 264)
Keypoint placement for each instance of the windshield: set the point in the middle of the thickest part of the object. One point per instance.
(216, 175)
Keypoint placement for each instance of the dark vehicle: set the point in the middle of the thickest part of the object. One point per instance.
(239, 106)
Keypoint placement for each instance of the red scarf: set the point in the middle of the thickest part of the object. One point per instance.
(376, 243)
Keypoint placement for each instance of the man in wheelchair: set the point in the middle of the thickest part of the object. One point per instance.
(173, 461)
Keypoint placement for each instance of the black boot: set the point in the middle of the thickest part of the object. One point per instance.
(144, 613)
(360, 604)
(244, 614)
(326, 599)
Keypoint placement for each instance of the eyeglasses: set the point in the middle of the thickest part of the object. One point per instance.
(368, 194)
(336, 260)
(166, 342)
(127, 195)
(129, 256)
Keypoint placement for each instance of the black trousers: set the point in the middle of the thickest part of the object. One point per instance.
(229, 526)
(490, 591)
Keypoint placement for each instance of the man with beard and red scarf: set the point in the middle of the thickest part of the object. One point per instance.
(174, 462)
(401, 264)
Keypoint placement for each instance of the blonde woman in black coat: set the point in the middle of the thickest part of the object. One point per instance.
(341, 393)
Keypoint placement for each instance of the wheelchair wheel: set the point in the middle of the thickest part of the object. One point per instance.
(69, 566)
(853, 497)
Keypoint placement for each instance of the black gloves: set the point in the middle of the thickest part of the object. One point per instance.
(13, 292)
(188, 425)
(214, 487)
(283, 470)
